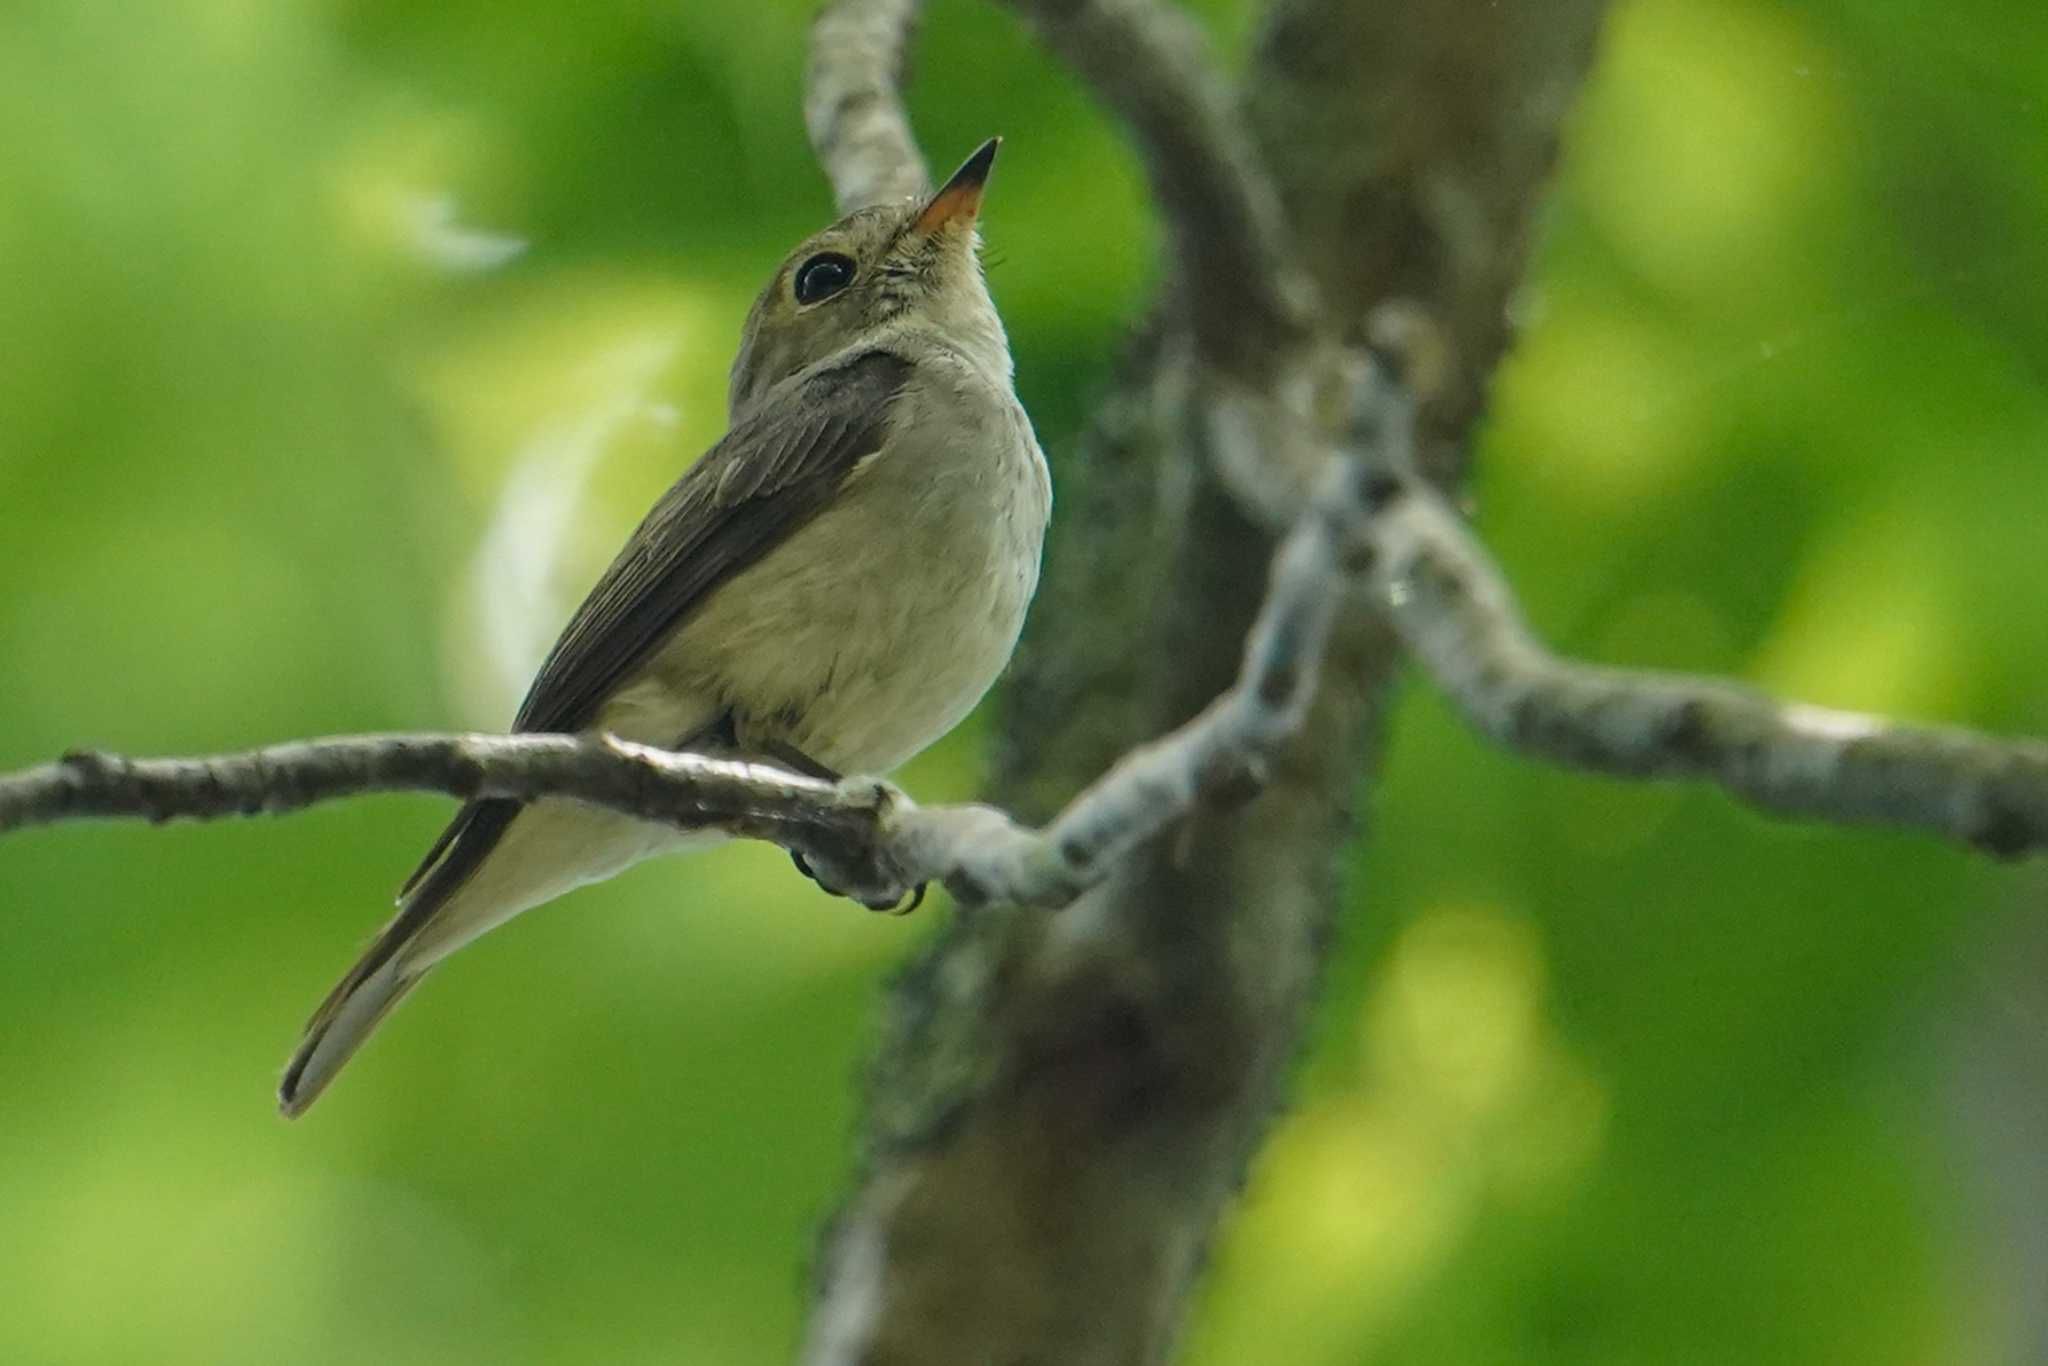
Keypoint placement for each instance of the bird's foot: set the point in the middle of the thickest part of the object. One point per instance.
(900, 905)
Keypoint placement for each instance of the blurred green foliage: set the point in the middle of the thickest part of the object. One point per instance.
(343, 338)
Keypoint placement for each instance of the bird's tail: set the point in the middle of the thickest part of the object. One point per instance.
(484, 871)
(395, 961)
(351, 1011)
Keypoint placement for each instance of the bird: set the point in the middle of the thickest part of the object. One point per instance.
(832, 586)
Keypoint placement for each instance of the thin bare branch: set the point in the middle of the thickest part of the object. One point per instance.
(835, 823)
(1448, 601)
(1148, 63)
(862, 836)
(1454, 610)
(853, 102)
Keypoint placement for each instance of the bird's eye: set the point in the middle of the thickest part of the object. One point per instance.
(823, 276)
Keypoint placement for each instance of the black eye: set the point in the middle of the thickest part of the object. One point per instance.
(823, 276)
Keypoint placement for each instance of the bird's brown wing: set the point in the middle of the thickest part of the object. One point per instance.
(771, 474)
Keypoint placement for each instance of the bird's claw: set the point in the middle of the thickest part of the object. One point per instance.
(899, 905)
(893, 906)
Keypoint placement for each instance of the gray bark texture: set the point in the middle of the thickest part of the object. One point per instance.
(1063, 1107)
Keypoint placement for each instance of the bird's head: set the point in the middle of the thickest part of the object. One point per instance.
(912, 262)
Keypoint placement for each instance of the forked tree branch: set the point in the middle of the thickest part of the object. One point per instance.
(1371, 524)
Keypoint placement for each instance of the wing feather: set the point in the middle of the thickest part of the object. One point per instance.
(770, 475)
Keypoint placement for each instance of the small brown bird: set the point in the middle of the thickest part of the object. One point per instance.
(833, 585)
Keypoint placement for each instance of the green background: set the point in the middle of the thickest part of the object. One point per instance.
(292, 442)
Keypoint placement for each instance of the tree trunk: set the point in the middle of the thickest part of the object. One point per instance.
(1063, 1105)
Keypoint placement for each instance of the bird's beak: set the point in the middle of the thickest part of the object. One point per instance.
(959, 199)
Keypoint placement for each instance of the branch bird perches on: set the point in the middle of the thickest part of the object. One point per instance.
(1371, 529)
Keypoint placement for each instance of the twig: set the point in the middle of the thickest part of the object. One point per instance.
(1454, 610)
(834, 823)
(853, 103)
(1148, 63)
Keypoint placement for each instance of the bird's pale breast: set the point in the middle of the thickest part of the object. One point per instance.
(877, 626)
